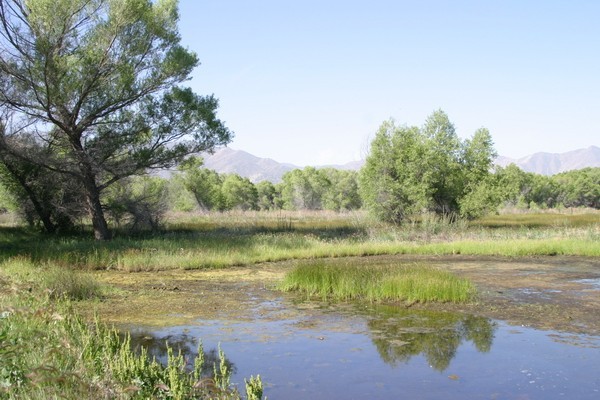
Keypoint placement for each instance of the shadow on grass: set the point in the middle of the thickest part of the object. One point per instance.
(81, 250)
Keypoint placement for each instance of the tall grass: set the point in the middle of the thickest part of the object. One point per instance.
(404, 282)
(57, 281)
(214, 241)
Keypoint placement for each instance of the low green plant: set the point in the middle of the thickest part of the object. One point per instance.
(406, 282)
(57, 281)
(254, 388)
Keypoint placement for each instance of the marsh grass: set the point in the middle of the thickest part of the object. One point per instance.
(539, 220)
(403, 282)
(48, 351)
(57, 281)
(221, 240)
(73, 285)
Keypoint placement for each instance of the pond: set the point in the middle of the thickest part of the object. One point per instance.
(366, 351)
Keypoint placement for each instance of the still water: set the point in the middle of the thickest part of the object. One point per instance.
(354, 351)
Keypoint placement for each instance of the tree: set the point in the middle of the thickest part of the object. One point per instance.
(410, 171)
(442, 159)
(268, 196)
(97, 82)
(393, 183)
(138, 203)
(53, 202)
(205, 184)
(239, 193)
(579, 188)
(342, 193)
(304, 189)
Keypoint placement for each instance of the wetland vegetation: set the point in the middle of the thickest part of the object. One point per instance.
(348, 280)
(89, 110)
(47, 281)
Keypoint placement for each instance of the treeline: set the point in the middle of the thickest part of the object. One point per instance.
(408, 172)
(415, 170)
(140, 202)
(300, 189)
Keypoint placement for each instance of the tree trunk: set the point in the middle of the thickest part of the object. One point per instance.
(101, 231)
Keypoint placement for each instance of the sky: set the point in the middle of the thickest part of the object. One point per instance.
(310, 82)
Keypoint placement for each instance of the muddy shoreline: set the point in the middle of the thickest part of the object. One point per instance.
(550, 293)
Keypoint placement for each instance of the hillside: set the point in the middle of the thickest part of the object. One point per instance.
(554, 163)
(227, 160)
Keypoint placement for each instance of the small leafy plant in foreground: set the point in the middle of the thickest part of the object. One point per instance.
(48, 351)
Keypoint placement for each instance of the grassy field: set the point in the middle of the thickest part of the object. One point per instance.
(221, 240)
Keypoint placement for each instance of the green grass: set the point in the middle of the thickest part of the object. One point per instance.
(344, 280)
(48, 351)
(213, 241)
(538, 220)
(56, 281)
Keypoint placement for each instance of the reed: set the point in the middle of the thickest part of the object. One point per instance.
(343, 280)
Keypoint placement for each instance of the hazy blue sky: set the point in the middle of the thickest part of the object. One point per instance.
(309, 82)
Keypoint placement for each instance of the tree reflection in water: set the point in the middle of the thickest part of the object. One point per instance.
(188, 345)
(400, 334)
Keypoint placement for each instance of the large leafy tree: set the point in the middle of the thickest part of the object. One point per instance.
(342, 193)
(411, 170)
(304, 189)
(205, 184)
(97, 82)
(239, 193)
(394, 182)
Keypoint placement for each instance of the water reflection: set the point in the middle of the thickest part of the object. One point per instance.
(380, 352)
(186, 344)
(400, 334)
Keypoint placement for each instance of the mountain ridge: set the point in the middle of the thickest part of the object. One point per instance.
(228, 160)
(553, 163)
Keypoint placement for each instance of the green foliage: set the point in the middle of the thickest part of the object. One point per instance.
(269, 197)
(410, 171)
(239, 193)
(254, 388)
(40, 197)
(349, 280)
(342, 194)
(203, 183)
(580, 188)
(180, 199)
(320, 189)
(98, 83)
(304, 189)
(138, 203)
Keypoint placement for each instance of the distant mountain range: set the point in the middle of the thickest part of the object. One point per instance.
(554, 163)
(227, 160)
